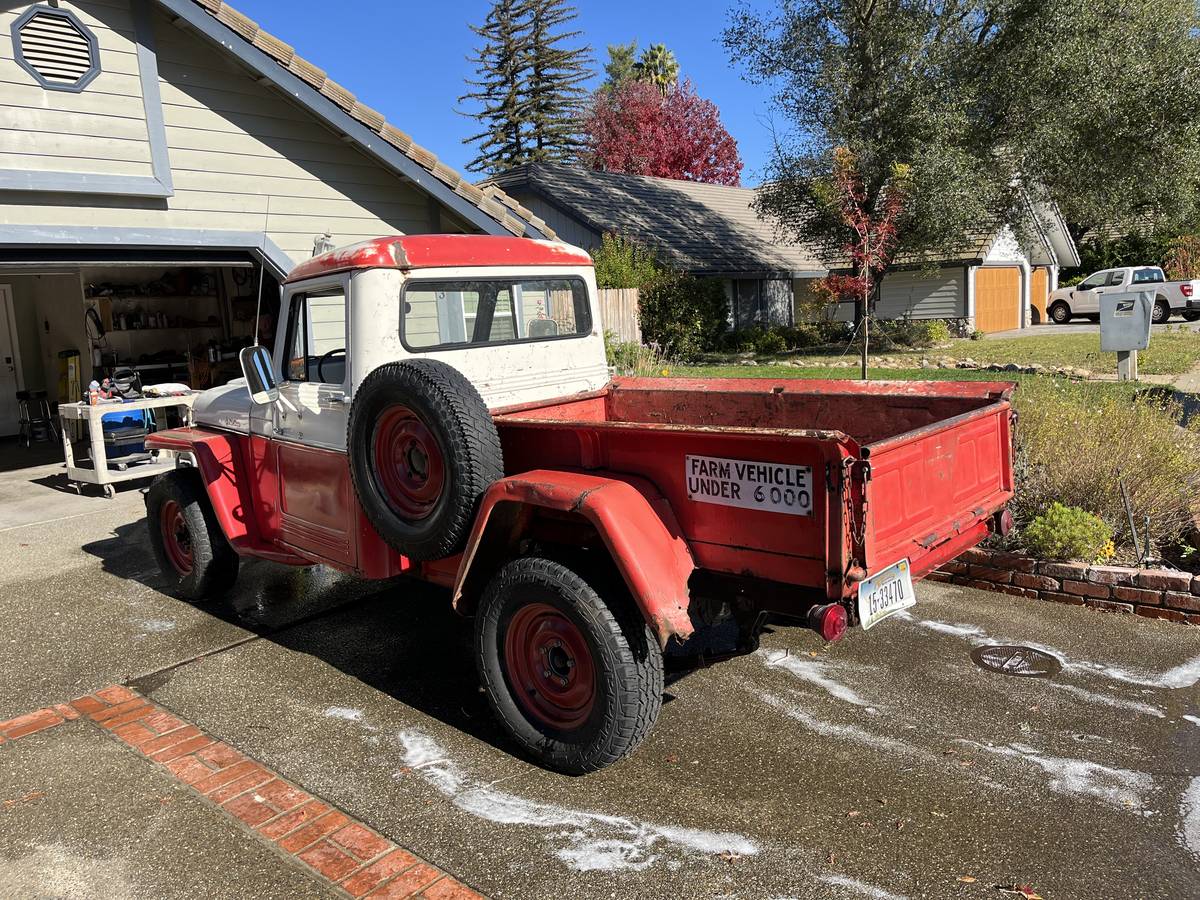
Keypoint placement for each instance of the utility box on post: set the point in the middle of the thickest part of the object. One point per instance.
(1125, 328)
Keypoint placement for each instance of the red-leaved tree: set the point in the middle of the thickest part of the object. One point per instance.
(636, 130)
(869, 227)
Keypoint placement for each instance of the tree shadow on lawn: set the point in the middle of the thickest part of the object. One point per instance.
(400, 637)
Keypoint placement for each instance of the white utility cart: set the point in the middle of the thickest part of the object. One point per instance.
(101, 471)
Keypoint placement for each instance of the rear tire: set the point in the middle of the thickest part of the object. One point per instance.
(575, 681)
(1161, 312)
(186, 537)
(1191, 315)
(1060, 313)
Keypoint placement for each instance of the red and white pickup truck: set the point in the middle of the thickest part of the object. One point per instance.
(439, 406)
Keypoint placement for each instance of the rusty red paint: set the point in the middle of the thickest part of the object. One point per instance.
(426, 251)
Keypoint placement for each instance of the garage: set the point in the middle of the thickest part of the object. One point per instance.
(163, 165)
(997, 298)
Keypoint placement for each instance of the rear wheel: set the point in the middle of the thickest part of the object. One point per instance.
(186, 537)
(1060, 313)
(577, 682)
(1191, 315)
(1161, 311)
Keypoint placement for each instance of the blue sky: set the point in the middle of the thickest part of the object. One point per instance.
(408, 60)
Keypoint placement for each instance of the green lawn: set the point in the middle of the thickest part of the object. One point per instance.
(1169, 354)
(761, 371)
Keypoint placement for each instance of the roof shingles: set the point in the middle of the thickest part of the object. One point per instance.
(508, 212)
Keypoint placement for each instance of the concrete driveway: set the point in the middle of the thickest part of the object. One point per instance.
(888, 765)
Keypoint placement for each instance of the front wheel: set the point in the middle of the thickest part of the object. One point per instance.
(1161, 311)
(577, 682)
(186, 537)
(1060, 313)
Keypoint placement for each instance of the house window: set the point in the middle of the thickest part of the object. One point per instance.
(57, 49)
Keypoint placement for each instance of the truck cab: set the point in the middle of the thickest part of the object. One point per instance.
(439, 406)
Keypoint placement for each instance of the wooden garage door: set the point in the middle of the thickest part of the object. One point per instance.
(1039, 290)
(997, 298)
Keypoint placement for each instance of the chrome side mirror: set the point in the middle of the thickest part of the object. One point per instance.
(260, 377)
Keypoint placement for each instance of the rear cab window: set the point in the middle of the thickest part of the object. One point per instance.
(452, 314)
(1148, 275)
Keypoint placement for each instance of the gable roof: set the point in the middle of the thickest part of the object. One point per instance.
(311, 87)
(705, 229)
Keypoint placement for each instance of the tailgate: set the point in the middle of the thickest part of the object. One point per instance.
(932, 491)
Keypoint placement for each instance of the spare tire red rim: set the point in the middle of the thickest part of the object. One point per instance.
(177, 539)
(550, 667)
(407, 463)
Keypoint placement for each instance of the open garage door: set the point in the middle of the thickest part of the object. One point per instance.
(997, 298)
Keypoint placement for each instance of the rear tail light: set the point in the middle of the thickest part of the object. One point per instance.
(1186, 290)
(829, 620)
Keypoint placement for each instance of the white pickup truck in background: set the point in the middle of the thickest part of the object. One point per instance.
(1083, 299)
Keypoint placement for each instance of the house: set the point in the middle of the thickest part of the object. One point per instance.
(713, 230)
(164, 163)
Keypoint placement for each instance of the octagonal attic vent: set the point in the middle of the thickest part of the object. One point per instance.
(56, 48)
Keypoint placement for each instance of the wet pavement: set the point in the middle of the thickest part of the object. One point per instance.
(888, 765)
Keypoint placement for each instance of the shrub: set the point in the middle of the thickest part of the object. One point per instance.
(631, 358)
(1068, 532)
(834, 332)
(684, 315)
(915, 333)
(977, 335)
(624, 263)
(769, 342)
(1077, 441)
(802, 336)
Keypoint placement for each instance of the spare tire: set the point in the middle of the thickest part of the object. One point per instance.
(423, 448)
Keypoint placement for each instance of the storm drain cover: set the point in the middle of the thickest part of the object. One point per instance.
(1020, 662)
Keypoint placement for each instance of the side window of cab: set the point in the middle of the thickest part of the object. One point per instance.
(316, 337)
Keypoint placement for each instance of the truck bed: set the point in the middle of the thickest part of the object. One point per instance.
(895, 469)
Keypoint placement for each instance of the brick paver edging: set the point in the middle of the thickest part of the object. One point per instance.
(1153, 593)
(356, 859)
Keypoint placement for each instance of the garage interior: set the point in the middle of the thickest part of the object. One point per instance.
(171, 317)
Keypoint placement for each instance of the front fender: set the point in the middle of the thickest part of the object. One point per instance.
(222, 460)
(634, 521)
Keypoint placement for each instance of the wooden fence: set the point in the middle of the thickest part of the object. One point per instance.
(619, 313)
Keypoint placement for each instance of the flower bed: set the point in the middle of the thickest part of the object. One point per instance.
(1153, 593)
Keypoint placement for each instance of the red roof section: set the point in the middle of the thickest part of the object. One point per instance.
(427, 251)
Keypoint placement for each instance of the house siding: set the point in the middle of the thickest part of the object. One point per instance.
(921, 295)
(99, 131)
(243, 158)
(569, 230)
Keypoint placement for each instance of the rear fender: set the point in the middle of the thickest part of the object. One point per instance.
(634, 521)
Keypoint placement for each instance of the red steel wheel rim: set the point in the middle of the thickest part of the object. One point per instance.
(550, 667)
(408, 463)
(177, 540)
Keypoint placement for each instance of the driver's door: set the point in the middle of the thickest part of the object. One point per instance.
(316, 501)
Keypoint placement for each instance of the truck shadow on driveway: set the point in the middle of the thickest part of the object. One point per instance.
(400, 637)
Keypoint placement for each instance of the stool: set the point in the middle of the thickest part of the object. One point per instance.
(36, 421)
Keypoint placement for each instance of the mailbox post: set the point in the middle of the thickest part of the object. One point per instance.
(1125, 328)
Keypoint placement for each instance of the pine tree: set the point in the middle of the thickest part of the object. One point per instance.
(528, 85)
(501, 66)
(554, 92)
(620, 66)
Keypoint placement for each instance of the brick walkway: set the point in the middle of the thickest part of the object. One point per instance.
(350, 856)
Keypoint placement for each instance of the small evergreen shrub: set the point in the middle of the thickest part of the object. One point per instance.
(624, 263)
(685, 315)
(769, 342)
(1068, 532)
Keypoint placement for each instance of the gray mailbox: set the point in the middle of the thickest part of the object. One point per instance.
(1125, 328)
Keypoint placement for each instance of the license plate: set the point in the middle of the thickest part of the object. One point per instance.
(885, 593)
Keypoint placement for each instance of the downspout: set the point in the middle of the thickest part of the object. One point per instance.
(1026, 292)
(971, 270)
